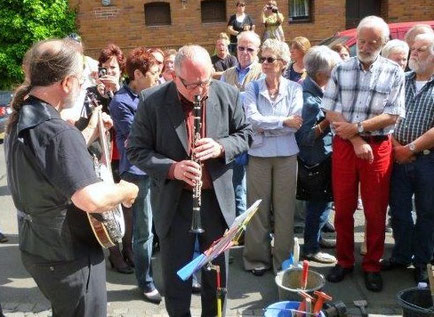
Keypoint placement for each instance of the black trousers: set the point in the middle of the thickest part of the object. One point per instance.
(177, 250)
(76, 288)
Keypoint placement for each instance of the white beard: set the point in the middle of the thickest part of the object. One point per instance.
(368, 60)
(72, 106)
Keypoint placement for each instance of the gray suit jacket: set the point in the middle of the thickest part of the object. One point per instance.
(158, 138)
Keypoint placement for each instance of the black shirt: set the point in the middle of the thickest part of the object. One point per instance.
(220, 65)
(239, 27)
(47, 162)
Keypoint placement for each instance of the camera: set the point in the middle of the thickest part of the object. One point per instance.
(274, 9)
(102, 71)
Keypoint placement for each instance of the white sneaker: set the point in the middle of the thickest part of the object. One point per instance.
(320, 257)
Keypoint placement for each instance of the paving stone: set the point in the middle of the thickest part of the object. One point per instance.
(10, 306)
(25, 307)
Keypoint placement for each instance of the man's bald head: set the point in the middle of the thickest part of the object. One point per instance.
(192, 54)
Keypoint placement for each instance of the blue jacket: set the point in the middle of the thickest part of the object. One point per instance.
(313, 150)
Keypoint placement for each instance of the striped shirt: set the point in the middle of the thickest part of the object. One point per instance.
(419, 110)
(360, 95)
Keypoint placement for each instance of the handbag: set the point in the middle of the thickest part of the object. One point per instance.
(315, 182)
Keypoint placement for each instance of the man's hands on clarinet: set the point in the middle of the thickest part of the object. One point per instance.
(190, 171)
(207, 148)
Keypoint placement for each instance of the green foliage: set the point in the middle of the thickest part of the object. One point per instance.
(24, 22)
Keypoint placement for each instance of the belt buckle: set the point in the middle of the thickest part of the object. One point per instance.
(426, 152)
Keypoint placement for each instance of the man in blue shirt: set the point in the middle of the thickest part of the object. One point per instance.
(143, 72)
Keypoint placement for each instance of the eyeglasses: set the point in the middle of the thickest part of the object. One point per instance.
(193, 86)
(248, 49)
(270, 60)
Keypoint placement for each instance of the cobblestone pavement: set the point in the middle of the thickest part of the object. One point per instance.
(248, 295)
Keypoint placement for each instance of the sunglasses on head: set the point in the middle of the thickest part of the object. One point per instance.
(248, 49)
(270, 60)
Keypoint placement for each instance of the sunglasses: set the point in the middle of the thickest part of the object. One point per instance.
(270, 60)
(241, 5)
(248, 49)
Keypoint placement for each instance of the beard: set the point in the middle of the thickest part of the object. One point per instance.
(368, 58)
(72, 106)
(419, 66)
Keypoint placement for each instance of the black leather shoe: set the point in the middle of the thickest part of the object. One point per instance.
(420, 274)
(258, 272)
(196, 287)
(337, 273)
(373, 281)
(391, 264)
(328, 228)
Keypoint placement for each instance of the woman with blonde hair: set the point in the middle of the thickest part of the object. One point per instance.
(298, 47)
(273, 106)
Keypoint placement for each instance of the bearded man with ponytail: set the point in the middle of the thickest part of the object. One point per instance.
(53, 183)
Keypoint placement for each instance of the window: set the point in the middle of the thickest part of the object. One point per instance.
(213, 11)
(300, 10)
(157, 13)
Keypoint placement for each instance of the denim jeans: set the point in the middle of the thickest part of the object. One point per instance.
(317, 214)
(142, 231)
(239, 182)
(413, 241)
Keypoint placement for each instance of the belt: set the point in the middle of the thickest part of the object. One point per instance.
(375, 138)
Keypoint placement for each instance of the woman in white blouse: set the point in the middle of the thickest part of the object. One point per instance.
(273, 105)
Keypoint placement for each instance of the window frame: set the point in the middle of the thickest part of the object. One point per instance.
(222, 3)
(308, 19)
(155, 5)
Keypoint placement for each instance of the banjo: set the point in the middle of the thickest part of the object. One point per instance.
(108, 227)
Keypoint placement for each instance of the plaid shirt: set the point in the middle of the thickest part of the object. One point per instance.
(360, 95)
(419, 110)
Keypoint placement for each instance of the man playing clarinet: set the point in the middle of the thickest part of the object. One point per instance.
(162, 143)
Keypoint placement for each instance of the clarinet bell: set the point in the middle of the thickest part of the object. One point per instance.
(196, 225)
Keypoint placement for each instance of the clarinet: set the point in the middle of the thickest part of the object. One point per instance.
(196, 226)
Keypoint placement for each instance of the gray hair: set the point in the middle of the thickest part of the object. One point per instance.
(191, 52)
(320, 59)
(395, 46)
(280, 48)
(373, 21)
(249, 36)
(415, 30)
(426, 37)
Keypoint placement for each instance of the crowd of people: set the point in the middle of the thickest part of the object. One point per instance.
(279, 123)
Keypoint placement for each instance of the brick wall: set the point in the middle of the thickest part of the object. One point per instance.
(415, 10)
(123, 22)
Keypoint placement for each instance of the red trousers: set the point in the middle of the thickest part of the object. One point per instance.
(347, 171)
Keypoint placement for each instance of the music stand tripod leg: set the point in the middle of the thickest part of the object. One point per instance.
(220, 291)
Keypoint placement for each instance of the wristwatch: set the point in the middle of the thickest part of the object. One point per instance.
(360, 128)
(412, 147)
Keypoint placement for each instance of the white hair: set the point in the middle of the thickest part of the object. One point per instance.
(249, 36)
(373, 21)
(395, 46)
(415, 30)
(426, 37)
(191, 52)
(320, 59)
(280, 48)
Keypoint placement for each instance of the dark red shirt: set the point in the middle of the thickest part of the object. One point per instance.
(187, 108)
